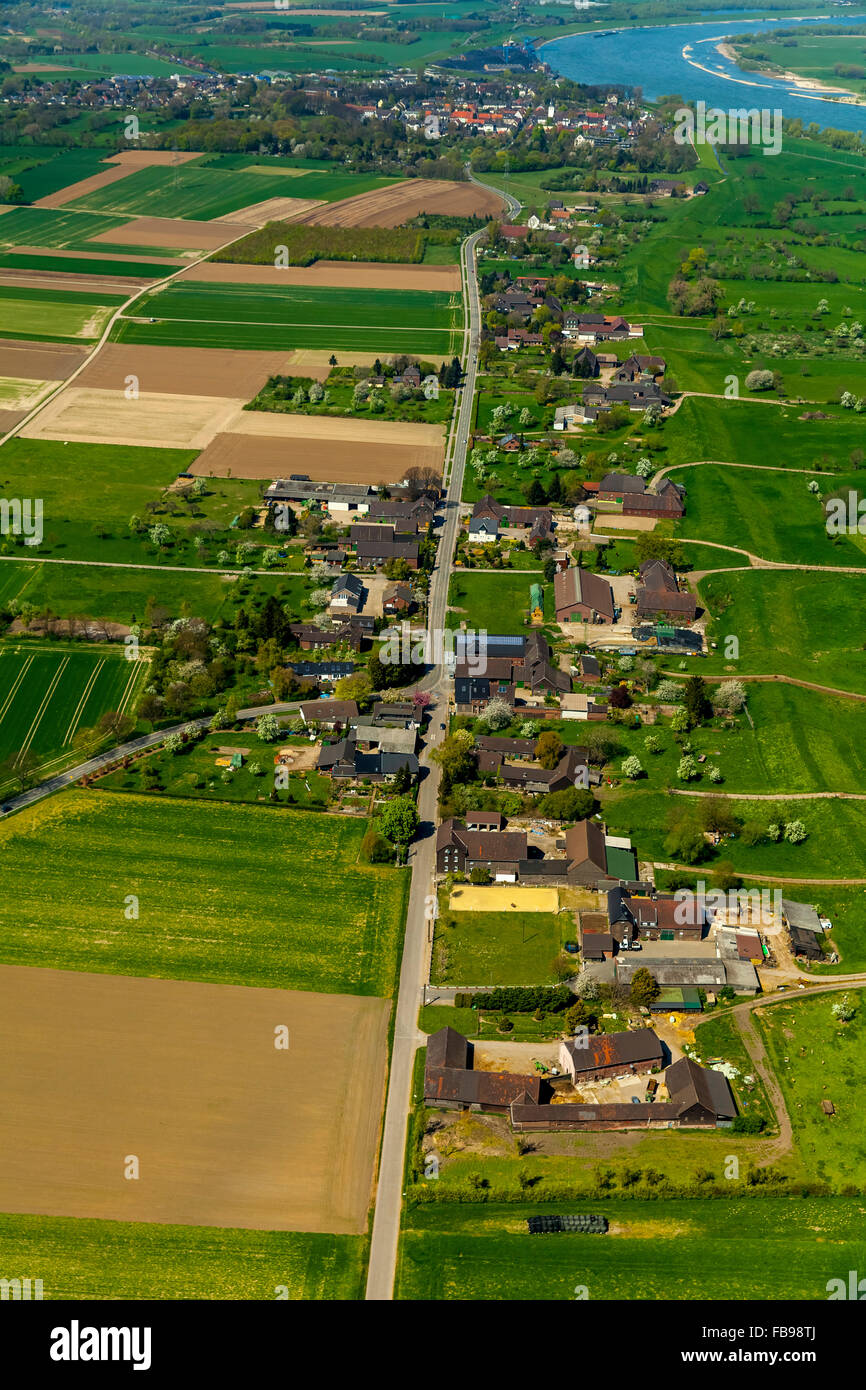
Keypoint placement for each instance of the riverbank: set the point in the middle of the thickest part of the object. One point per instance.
(840, 96)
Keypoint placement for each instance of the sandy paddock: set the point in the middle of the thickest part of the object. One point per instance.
(388, 207)
(613, 522)
(119, 166)
(366, 275)
(36, 361)
(227, 1129)
(198, 371)
(503, 897)
(323, 460)
(173, 233)
(92, 416)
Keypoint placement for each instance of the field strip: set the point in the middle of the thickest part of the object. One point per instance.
(74, 721)
(39, 715)
(129, 689)
(18, 679)
(267, 323)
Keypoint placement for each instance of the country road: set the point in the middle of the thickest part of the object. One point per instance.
(413, 972)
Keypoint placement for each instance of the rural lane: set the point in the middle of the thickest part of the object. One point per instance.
(413, 970)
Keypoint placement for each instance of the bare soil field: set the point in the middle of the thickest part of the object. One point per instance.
(173, 233)
(348, 431)
(78, 284)
(363, 275)
(198, 371)
(38, 361)
(323, 460)
(227, 1130)
(316, 361)
(272, 210)
(9, 419)
(120, 165)
(388, 207)
(90, 416)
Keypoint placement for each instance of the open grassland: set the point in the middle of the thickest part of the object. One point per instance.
(48, 695)
(148, 1064)
(808, 626)
(772, 515)
(817, 1057)
(768, 1248)
(835, 846)
(269, 318)
(54, 314)
(795, 740)
(137, 1260)
(84, 265)
(115, 595)
(730, 431)
(238, 897)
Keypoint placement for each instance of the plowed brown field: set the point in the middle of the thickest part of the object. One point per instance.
(227, 1129)
(324, 460)
(364, 275)
(38, 361)
(271, 210)
(173, 233)
(194, 371)
(388, 207)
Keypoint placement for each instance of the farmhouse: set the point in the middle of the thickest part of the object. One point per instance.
(581, 595)
(460, 850)
(488, 518)
(633, 498)
(528, 665)
(375, 553)
(593, 1058)
(661, 917)
(658, 595)
(327, 714)
(347, 595)
(639, 366)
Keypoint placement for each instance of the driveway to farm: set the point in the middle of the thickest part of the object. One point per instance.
(418, 940)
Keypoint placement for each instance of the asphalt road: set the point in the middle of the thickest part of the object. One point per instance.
(416, 946)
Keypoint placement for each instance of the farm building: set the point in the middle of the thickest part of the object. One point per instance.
(581, 595)
(589, 1058)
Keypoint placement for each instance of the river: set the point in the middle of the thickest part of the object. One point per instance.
(673, 59)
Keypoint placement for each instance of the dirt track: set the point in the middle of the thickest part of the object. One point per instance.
(365, 275)
(388, 207)
(119, 165)
(172, 233)
(323, 460)
(196, 371)
(227, 1129)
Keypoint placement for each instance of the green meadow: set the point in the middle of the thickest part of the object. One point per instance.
(792, 623)
(83, 1260)
(768, 1248)
(243, 316)
(56, 315)
(56, 227)
(229, 894)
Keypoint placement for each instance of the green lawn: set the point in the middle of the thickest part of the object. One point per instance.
(48, 694)
(809, 626)
(816, 1057)
(733, 431)
(80, 1259)
(233, 316)
(228, 894)
(770, 1248)
(55, 314)
(497, 948)
(497, 601)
